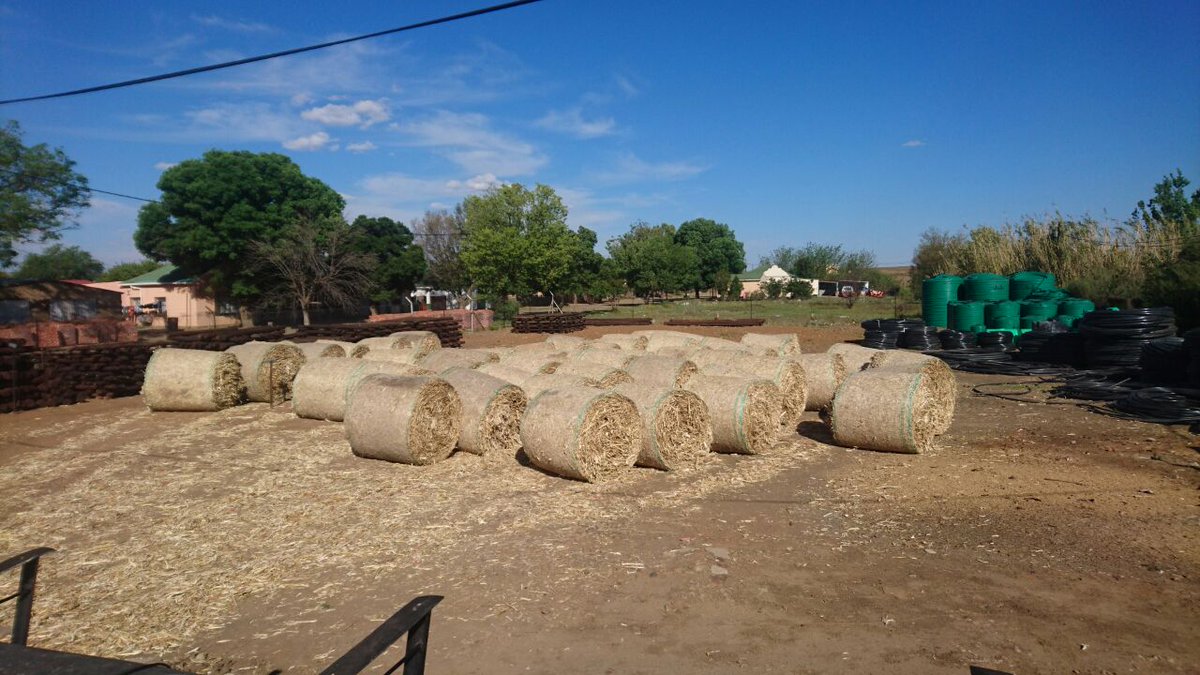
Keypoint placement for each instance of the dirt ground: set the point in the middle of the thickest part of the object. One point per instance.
(1034, 539)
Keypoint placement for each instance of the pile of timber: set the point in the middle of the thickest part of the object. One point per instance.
(448, 330)
(618, 321)
(715, 322)
(566, 322)
(31, 378)
(222, 339)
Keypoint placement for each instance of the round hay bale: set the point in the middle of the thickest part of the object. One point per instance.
(657, 369)
(191, 380)
(627, 341)
(507, 372)
(422, 341)
(445, 359)
(717, 357)
(674, 352)
(268, 369)
(402, 356)
(318, 350)
(530, 353)
(566, 343)
(606, 376)
(580, 433)
(365, 345)
(676, 427)
(823, 373)
(491, 412)
(943, 384)
(322, 388)
(721, 344)
(744, 411)
(489, 355)
(658, 339)
(786, 344)
(888, 410)
(613, 358)
(347, 347)
(413, 420)
(537, 383)
(598, 345)
(787, 374)
(855, 357)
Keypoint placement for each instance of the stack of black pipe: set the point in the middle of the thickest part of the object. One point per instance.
(1164, 360)
(922, 338)
(954, 339)
(1116, 338)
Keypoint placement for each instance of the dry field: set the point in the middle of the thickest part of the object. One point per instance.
(1035, 539)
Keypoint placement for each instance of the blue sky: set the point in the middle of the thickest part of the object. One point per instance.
(859, 124)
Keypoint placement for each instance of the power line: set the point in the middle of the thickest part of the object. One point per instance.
(87, 188)
(274, 55)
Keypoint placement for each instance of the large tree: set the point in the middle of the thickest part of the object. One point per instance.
(652, 260)
(215, 208)
(128, 270)
(716, 248)
(60, 262)
(40, 192)
(518, 241)
(1171, 204)
(441, 234)
(314, 262)
(400, 263)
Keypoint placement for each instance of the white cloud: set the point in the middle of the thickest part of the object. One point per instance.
(468, 140)
(365, 146)
(631, 168)
(213, 21)
(572, 122)
(915, 143)
(302, 99)
(363, 113)
(475, 183)
(240, 122)
(626, 86)
(163, 166)
(307, 143)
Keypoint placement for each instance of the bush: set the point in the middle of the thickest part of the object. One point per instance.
(1178, 286)
(798, 289)
(773, 289)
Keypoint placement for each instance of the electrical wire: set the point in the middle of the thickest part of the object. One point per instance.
(273, 55)
(71, 184)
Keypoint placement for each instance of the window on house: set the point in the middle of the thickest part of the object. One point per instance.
(14, 311)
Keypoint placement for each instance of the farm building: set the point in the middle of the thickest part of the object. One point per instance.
(166, 297)
(60, 313)
(753, 280)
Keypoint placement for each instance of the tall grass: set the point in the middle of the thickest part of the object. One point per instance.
(1104, 262)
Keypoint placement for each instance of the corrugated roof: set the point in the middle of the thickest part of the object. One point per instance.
(166, 275)
(754, 274)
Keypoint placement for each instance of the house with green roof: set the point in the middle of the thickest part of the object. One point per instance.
(166, 297)
(753, 280)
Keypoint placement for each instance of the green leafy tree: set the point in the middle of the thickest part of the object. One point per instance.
(128, 270)
(798, 289)
(716, 248)
(1178, 286)
(315, 262)
(784, 256)
(721, 280)
(517, 241)
(399, 263)
(773, 288)
(40, 192)
(651, 260)
(608, 283)
(214, 209)
(60, 262)
(818, 261)
(735, 288)
(586, 264)
(1171, 205)
(441, 234)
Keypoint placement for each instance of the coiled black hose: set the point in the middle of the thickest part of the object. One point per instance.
(1160, 405)
(953, 339)
(923, 338)
(1117, 338)
(1164, 360)
(881, 339)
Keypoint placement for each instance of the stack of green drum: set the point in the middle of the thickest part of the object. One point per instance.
(1071, 310)
(1024, 285)
(1037, 310)
(985, 288)
(967, 316)
(936, 294)
(1003, 314)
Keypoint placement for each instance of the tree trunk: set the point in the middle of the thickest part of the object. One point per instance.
(374, 310)
(244, 315)
(697, 293)
(304, 312)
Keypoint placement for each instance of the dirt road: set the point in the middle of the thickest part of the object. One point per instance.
(1035, 539)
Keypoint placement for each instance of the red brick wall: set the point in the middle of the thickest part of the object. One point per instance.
(47, 334)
